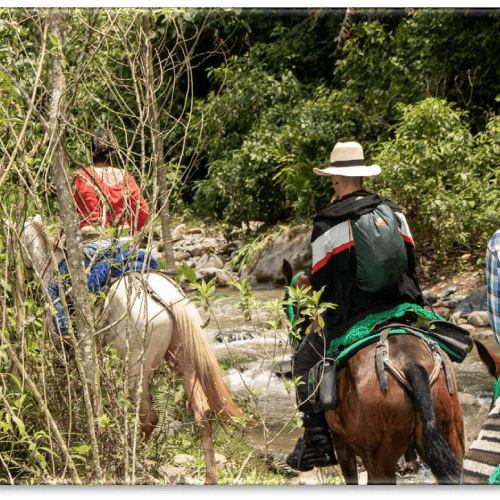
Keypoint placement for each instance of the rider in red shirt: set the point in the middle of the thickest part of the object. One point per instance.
(107, 196)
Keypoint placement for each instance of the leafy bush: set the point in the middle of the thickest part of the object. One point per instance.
(263, 138)
(443, 177)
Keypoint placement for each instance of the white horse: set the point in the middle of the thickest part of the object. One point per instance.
(162, 324)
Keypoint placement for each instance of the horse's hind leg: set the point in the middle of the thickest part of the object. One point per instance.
(199, 405)
(149, 417)
(381, 467)
(147, 413)
(347, 462)
(382, 458)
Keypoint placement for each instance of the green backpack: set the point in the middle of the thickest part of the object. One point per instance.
(380, 249)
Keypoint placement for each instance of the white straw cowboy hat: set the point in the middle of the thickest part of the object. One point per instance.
(347, 159)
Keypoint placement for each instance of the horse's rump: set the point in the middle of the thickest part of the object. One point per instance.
(164, 320)
(129, 319)
(382, 423)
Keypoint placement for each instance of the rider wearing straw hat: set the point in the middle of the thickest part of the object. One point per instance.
(334, 266)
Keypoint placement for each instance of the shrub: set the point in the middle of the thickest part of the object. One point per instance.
(443, 177)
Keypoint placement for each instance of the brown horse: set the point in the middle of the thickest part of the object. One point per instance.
(492, 362)
(380, 426)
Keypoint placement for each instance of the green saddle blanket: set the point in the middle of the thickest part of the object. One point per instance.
(405, 319)
(451, 338)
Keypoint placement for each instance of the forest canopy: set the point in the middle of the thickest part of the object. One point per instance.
(417, 88)
(248, 101)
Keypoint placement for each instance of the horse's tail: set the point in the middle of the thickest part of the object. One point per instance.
(201, 356)
(440, 458)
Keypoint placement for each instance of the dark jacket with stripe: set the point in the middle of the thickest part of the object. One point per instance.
(334, 264)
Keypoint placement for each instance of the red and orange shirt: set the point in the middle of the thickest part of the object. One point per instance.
(109, 197)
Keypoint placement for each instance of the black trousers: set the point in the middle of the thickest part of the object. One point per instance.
(312, 349)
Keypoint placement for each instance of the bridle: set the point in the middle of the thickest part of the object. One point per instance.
(290, 312)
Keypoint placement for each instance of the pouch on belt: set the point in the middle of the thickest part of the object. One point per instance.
(322, 385)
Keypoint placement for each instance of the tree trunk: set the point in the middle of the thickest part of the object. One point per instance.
(346, 26)
(157, 143)
(86, 352)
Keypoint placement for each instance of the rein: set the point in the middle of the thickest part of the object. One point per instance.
(289, 310)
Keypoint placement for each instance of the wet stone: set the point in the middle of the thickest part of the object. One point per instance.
(484, 334)
(430, 296)
(476, 301)
(456, 300)
(471, 329)
(478, 318)
(448, 292)
(234, 337)
(444, 312)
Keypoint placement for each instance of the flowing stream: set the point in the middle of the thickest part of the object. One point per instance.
(256, 355)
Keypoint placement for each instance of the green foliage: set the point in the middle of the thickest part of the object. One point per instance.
(423, 53)
(22, 444)
(247, 301)
(267, 123)
(443, 176)
(188, 272)
(246, 252)
(264, 135)
(205, 295)
(307, 308)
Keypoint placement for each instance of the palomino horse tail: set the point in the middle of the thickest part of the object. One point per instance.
(440, 459)
(197, 347)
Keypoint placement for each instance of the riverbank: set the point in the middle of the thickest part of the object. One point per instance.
(250, 352)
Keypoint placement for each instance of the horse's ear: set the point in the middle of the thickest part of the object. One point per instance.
(287, 271)
(38, 220)
(492, 361)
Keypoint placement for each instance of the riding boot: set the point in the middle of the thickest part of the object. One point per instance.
(315, 448)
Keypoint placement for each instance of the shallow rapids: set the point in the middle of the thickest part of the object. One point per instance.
(257, 356)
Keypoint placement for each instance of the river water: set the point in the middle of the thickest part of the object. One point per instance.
(256, 353)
